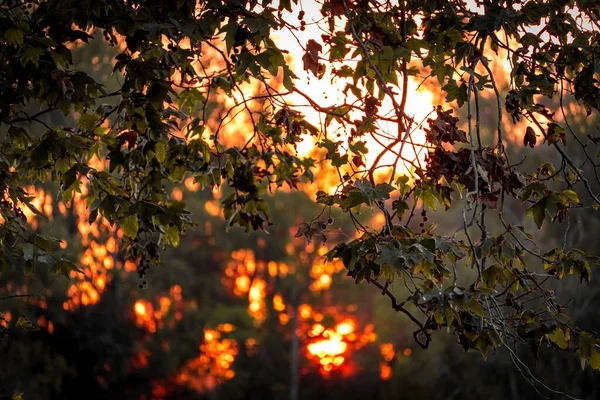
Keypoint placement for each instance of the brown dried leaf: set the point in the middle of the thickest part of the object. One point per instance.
(303, 228)
(371, 105)
(337, 7)
(358, 161)
(490, 200)
(311, 57)
(529, 139)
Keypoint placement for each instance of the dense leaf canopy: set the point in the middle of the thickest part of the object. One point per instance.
(185, 68)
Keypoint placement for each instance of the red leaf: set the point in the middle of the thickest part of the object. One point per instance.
(358, 162)
(337, 7)
(371, 105)
(128, 136)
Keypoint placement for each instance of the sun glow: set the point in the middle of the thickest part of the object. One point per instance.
(329, 346)
(330, 91)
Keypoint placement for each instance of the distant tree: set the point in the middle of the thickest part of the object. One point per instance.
(486, 283)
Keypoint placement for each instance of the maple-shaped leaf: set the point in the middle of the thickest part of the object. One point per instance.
(311, 57)
(393, 256)
(314, 229)
(381, 191)
(556, 133)
(444, 129)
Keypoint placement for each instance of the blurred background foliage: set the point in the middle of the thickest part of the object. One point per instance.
(251, 316)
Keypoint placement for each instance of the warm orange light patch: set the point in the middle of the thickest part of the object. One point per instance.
(389, 354)
(322, 273)
(387, 351)
(332, 347)
(144, 315)
(385, 371)
(213, 208)
(42, 201)
(245, 276)
(140, 360)
(214, 364)
(256, 299)
(140, 308)
(278, 303)
(305, 311)
(345, 328)
(151, 316)
(100, 241)
(5, 320)
(191, 185)
(43, 323)
(177, 194)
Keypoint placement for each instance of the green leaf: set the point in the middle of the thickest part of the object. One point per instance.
(359, 147)
(288, 78)
(569, 196)
(428, 198)
(400, 206)
(172, 235)
(535, 187)
(42, 242)
(594, 358)
(130, 226)
(65, 267)
(14, 37)
(392, 256)
(31, 54)
(538, 210)
(160, 150)
(25, 324)
(381, 191)
(69, 177)
(560, 338)
(492, 274)
(355, 198)
(88, 121)
(476, 308)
